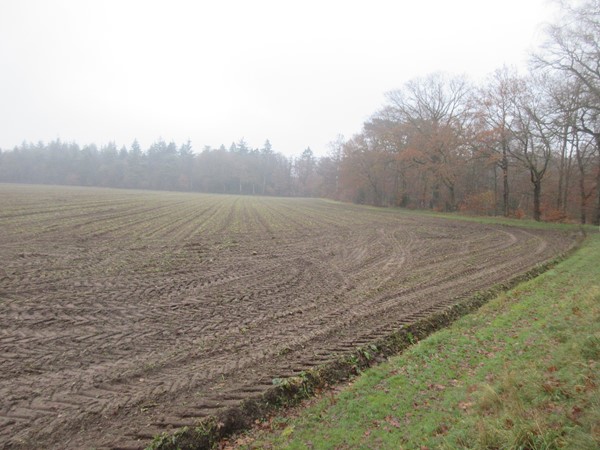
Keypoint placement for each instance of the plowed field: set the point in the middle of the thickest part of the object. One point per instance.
(124, 314)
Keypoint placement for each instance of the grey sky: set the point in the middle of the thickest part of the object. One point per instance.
(297, 73)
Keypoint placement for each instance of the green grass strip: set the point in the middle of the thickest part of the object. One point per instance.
(523, 372)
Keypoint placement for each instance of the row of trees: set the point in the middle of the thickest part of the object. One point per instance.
(163, 166)
(515, 145)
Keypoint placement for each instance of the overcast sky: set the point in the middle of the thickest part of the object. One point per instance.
(298, 73)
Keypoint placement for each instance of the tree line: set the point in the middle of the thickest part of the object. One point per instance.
(238, 169)
(514, 145)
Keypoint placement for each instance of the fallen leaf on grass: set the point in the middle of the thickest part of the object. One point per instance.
(244, 440)
(393, 421)
(465, 405)
(576, 413)
(442, 429)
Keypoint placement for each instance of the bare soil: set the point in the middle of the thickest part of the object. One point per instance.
(125, 314)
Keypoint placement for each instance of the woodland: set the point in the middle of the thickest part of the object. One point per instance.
(516, 144)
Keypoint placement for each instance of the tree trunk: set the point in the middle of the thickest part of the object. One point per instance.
(537, 193)
(559, 196)
(561, 173)
(567, 183)
(505, 187)
(504, 167)
(495, 190)
(582, 197)
(423, 200)
(452, 198)
(597, 140)
(435, 196)
(597, 221)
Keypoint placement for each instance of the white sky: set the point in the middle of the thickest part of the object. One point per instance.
(298, 73)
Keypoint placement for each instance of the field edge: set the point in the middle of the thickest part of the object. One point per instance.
(291, 391)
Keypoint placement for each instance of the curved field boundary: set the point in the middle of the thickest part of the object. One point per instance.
(289, 392)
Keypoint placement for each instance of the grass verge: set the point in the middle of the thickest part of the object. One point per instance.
(523, 372)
